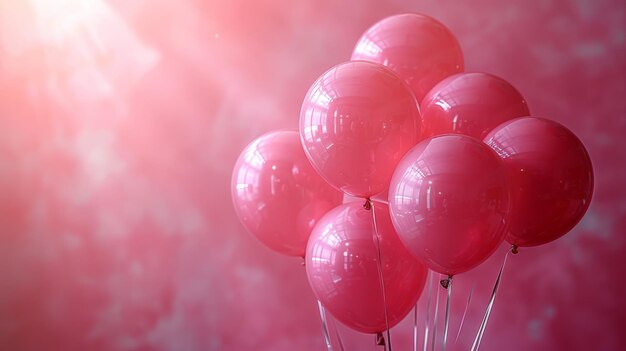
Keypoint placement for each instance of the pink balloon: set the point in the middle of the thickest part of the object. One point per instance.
(551, 178)
(357, 121)
(471, 104)
(277, 195)
(418, 48)
(342, 266)
(449, 202)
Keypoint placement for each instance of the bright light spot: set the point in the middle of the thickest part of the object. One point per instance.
(444, 105)
(367, 48)
(82, 50)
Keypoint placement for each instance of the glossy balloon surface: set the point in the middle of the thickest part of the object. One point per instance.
(357, 121)
(471, 104)
(551, 178)
(449, 202)
(341, 264)
(277, 195)
(418, 48)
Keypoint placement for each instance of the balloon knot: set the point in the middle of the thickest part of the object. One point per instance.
(380, 339)
(368, 204)
(514, 250)
(446, 282)
(303, 261)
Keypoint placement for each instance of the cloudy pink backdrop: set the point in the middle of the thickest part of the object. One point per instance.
(120, 122)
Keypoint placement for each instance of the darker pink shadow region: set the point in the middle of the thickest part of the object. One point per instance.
(121, 122)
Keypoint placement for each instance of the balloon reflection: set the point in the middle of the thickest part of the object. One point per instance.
(471, 104)
(342, 267)
(449, 201)
(419, 49)
(356, 122)
(551, 178)
(278, 195)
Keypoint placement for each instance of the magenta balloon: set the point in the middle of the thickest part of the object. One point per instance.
(356, 122)
(342, 266)
(551, 178)
(449, 202)
(471, 104)
(277, 194)
(420, 49)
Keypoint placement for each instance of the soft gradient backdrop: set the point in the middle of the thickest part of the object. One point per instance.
(120, 122)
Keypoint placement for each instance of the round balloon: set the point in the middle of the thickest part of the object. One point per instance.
(471, 104)
(357, 121)
(277, 194)
(449, 201)
(342, 267)
(418, 48)
(551, 178)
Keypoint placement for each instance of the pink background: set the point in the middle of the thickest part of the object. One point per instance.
(120, 122)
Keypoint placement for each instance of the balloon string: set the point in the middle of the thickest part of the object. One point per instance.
(483, 324)
(430, 290)
(448, 286)
(380, 273)
(380, 201)
(333, 323)
(329, 346)
(341, 347)
(415, 328)
(435, 320)
(469, 299)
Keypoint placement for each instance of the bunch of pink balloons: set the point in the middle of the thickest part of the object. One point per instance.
(461, 161)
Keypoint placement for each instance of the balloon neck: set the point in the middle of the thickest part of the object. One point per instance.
(368, 204)
(514, 250)
(445, 283)
(303, 263)
(380, 339)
